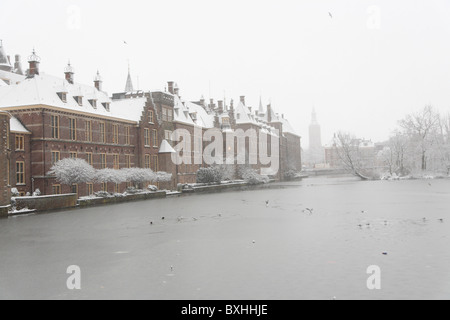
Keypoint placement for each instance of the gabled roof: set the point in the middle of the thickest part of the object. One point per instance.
(17, 127)
(181, 113)
(43, 89)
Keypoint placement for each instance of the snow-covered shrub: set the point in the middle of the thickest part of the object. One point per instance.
(253, 177)
(36, 193)
(102, 194)
(209, 175)
(15, 192)
(132, 190)
(109, 175)
(72, 171)
(290, 175)
(162, 176)
(152, 188)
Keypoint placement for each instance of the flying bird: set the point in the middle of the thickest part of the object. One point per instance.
(124, 42)
(310, 210)
(331, 16)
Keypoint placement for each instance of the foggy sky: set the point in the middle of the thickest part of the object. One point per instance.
(363, 69)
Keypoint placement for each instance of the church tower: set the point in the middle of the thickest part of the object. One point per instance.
(315, 140)
(129, 84)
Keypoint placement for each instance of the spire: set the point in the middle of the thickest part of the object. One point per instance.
(5, 64)
(313, 116)
(261, 108)
(129, 84)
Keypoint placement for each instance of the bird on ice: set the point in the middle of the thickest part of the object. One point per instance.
(267, 203)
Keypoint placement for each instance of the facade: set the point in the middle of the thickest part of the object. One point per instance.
(363, 152)
(53, 118)
(4, 161)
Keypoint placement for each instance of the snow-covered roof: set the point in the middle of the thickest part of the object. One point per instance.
(202, 118)
(244, 115)
(43, 89)
(17, 127)
(166, 147)
(181, 113)
(287, 127)
(10, 77)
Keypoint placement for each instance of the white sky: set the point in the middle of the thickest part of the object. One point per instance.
(363, 69)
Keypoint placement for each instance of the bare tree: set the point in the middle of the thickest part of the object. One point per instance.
(353, 158)
(422, 128)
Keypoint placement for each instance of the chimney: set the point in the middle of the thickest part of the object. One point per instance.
(231, 105)
(18, 65)
(98, 81)
(243, 100)
(269, 113)
(68, 71)
(220, 102)
(170, 86)
(176, 90)
(34, 62)
(202, 101)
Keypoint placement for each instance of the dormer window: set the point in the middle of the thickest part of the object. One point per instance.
(106, 105)
(79, 100)
(93, 103)
(63, 96)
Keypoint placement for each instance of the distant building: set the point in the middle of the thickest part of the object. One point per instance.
(316, 150)
(364, 150)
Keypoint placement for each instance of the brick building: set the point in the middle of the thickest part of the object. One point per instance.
(56, 117)
(4, 162)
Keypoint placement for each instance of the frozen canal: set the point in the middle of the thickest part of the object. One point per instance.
(232, 246)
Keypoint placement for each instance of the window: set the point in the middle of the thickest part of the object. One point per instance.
(104, 186)
(7, 136)
(147, 161)
(88, 130)
(106, 105)
(63, 96)
(20, 143)
(115, 128)
(155, 164)
(8, 172)
(20, 172)
(103, 160)
(147, 137)
(55, 157)
(128, 160)
(73, 155)
(155, 138)
(55, 127)
(56, 189)
(73, 129)
(164, 116)
(102, 133)
(151, 116)
(116, 163)
(168, 135)
(79, 100)
(93, 103)
(169, 115)
(116, 188)
(127, 135)
(74, 188)
(90, 189)
(89, 158)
